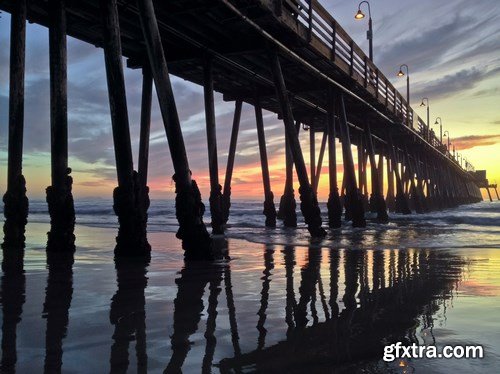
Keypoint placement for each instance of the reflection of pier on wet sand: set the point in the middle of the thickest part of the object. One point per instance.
(269, 308)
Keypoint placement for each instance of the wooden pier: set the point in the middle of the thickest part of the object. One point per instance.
(288, 57)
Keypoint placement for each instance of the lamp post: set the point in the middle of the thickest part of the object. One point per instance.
(401, 74)
(440, 129)
(426, 104)
(369, 34)
(447, 134)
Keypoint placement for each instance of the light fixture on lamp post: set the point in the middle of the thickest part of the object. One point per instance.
(426, 104)
(440, 129)
(369, 34)
(401, 74)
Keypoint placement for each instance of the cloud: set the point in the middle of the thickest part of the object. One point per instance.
(471, 141)
(452, 84)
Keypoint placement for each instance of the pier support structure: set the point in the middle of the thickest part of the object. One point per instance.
(287, 209)
(59, 193)
(145, 128)
(131, 239)
(309, 203)
(15, 200)
(353, 199)
(334, 205)
(377, 200)
(269, 208)
(189, 208)
(213, 165)
(226, 193)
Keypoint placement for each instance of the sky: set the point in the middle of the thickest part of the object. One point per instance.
(452, 49)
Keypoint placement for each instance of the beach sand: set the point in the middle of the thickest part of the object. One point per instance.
(269, 308)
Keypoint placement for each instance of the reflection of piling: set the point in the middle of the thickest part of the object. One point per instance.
(188, 308)
(266, 283)
(128, 315)
(58, 295)
(13, 296)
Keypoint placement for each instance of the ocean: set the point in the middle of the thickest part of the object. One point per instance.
(280, 302)
(476, 225)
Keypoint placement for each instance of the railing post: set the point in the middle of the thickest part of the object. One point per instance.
(278, 7)
(351, 58)
(386, 94)
(310, 20)
(365, 83)
(334, 42)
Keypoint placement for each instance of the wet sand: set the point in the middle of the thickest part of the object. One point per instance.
(270, 308)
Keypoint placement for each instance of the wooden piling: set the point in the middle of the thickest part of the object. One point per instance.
(401, 201)
(312, 154)
(189, 208)
(378, 198)
(334, 205)
(213, 165)
(320, 161)
(226, 194)
(354, 202)
(269, 208)
(287, 209)
(390, 198)
(309, 204)
(145, 125)
(59, 195)
(15, 200)
(131, 239)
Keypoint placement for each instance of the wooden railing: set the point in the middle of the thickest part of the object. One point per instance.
(342, 50)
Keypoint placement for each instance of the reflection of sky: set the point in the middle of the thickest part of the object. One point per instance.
(450, 47)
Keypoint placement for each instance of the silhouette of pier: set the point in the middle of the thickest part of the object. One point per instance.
(288, 57)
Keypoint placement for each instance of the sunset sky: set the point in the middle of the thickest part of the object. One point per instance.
(451, 48)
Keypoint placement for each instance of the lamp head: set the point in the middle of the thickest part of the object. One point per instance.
(359, 15)
(400, 73)
(422, 103)
(436, 123)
